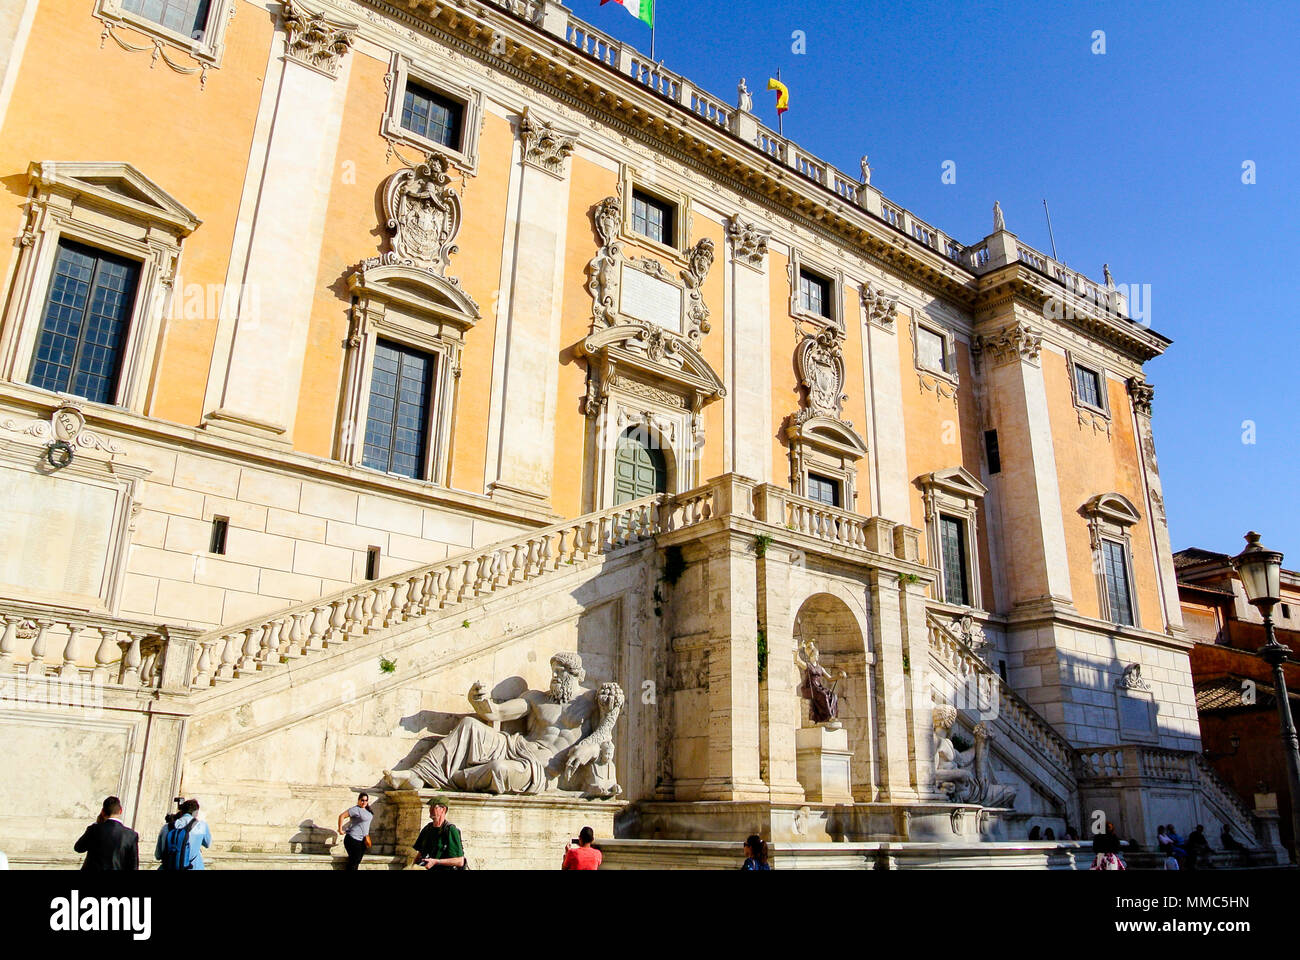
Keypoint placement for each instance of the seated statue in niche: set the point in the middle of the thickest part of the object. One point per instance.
(567, 743)
(823, 701)
(966, 776)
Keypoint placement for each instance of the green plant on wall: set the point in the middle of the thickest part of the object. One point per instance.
(762, 655)
(387, 666)
(907, 664)
(909, 578)
(761, 542)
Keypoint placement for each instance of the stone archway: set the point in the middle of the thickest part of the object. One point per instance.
(842, 643)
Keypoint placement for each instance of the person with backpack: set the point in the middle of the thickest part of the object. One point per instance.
(438, 847)
(182, 838)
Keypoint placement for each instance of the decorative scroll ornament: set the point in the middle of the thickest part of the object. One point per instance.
(1142, 394)
(67, 425)
(1018, 341)
(315, 41)
(1131, 678)
(698, 262)
(422, 210)
(748, 242)
(881, 308)
(543, 146)
(602, 281)
(971, 633)
(819, 362)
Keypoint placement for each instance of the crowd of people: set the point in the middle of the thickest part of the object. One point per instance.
(111, 845)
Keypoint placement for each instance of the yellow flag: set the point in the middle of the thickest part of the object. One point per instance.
(782, 95)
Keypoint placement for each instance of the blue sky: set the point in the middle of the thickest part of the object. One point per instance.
(1139, 152)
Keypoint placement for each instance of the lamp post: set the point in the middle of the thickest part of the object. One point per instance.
(1260, 570)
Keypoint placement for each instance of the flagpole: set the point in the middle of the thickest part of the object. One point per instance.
(653, 18)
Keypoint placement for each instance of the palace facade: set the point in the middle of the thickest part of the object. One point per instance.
(352, 352)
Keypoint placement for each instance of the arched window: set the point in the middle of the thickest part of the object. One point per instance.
(640, 468)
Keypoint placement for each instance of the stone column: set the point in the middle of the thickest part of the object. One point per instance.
(892, 699)
(1141, 394)
(1038, 568)
(891, 486)
(779, 691)
(750, 383)
(733, 750)
(920, 706)
(528, 316)
(259, 390)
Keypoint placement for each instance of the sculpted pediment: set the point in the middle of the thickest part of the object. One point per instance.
(829, 433)
(957, 481)
(652, 355)
(117, 185)
(415, 288)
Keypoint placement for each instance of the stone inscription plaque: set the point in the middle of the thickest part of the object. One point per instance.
(648, 298)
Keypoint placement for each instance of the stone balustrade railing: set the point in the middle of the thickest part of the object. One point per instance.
(1013, 709)
(263, 643)
(43, 644)
(1224, 796)
(1101, 762)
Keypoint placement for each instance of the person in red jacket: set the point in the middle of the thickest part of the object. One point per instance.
(584, 856)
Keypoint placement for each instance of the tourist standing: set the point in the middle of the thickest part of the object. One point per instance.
(356, 834)
(182, 839)
(1106, 847)
(108, 843)
(584, 856)
(1198, 848)
(755, 854)
(439, 847)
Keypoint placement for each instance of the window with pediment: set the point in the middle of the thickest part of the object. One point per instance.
(952, 499)
(409, 323)
(91, 295)
(824, 448)
(1111, 517)
(645, 371)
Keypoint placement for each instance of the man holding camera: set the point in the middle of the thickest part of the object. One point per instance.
(438, 847)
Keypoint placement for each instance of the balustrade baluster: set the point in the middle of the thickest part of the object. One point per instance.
(338, 620)
(8, 643)
(203, 670)
(229, 654)
(130, 673)
(36, 668)
(271, 644)
(248, 662)
(71, 651)
(104, 655)
(396, 599)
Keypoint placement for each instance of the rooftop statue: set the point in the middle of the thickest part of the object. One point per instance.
(567, 744)
(744, 99)
(998, 222)
(866, 170)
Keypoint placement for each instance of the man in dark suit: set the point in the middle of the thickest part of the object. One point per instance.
(108, 843)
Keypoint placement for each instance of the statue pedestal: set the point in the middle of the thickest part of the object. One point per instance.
(507, 832)
(822, 759)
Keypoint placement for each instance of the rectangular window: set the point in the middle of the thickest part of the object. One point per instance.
(87, 316)
(652, 218)
(814, 294)
(1088, 384)
(432, 116)
(397, 422)
(824, 490)
(372, 563)
(931, 352)
(1286, 612)
(217, 544)
(991, 451)
(1115, 567)
(952, 544)
(186, 17)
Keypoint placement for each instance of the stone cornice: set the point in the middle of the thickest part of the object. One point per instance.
(524, 52)
(1019, 283)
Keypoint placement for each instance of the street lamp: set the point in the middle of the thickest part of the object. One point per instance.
(1260, 570)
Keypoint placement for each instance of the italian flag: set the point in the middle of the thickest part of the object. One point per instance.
(643, 10)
